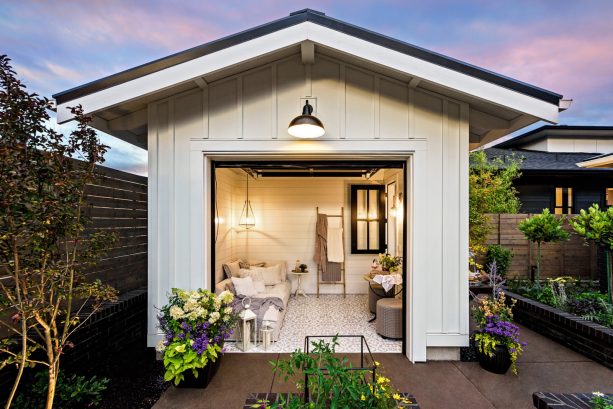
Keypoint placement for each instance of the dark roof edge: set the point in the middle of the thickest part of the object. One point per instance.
(323, 20)
(540, 133)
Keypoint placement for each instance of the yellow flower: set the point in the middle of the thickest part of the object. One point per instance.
(396, 396)
(362, 397)
(377, 363)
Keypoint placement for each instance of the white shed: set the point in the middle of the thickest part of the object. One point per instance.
(405, 113)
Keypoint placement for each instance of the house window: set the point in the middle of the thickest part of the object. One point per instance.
(564, 200)
(367, 219)
(609, 196)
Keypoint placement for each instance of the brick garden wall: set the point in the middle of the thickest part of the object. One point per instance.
(572, 258)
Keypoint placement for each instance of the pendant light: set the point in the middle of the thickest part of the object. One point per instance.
(306, 126)
(247, 219)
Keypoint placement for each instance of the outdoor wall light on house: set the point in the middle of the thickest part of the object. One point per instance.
(306, 126)
(247, 219)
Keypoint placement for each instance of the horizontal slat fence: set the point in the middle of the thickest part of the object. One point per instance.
(118, 202)
(572, 257)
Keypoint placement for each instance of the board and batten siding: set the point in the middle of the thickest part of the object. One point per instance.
(365, 114)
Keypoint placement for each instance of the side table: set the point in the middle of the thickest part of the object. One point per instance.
(299, 289)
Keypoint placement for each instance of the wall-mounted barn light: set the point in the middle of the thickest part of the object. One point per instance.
(306, 126)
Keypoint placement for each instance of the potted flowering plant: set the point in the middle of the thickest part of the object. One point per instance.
(195, 325)
(389, 263)
(496, 337)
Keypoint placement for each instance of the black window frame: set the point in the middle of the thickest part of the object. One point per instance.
(382, 219)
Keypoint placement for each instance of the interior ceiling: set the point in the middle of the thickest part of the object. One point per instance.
(312, 169)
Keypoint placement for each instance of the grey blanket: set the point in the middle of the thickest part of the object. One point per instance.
(258, 305)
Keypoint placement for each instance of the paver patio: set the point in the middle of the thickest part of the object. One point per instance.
(545, 366)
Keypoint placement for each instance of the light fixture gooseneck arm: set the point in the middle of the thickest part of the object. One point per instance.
(307, 109)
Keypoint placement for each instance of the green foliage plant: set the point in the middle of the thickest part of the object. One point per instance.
(389, 263)
(45, 249)
(333, 382)
(601, 401)
(491, 190)
(596, 225)
(543, 228)
(195, 325)
(502, 256)
(72, 392)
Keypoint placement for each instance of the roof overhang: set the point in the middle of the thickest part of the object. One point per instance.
(604, 161)
(182, 71)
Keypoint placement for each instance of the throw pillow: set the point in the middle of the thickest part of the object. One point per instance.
(271, 275)
(232, 269)
(244, 286)
(256, 276)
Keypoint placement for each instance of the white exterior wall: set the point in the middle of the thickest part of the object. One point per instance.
(365, 114)
(579, 145)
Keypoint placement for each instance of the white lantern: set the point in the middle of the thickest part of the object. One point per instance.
(247, 327)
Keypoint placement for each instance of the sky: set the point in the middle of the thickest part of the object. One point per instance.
(565, 46)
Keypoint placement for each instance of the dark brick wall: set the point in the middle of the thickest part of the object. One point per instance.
(117, 327)
(588, 338)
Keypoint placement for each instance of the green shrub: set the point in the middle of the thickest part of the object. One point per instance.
(72, 392)
(501, 256)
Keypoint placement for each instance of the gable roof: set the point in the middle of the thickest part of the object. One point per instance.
(546, 161)
(545, 131)
(319, 18)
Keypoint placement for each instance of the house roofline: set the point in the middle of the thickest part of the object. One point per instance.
(544, 131)
(319, 18)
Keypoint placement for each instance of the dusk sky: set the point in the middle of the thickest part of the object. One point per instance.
(562, 46)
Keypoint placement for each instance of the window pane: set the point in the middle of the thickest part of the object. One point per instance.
(362, 209)
(373, 242)
(558, 210)
(362, 236)
(570, 200)
(559, 196)
(373, 204)
(609, 196)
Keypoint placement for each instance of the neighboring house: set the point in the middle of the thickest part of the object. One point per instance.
(389, 108)
(565, 168)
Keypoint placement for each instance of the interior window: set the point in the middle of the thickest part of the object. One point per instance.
(368, 219)
(563, 200)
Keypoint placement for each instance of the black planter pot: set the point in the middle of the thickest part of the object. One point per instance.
(498, 363)
(205, 375)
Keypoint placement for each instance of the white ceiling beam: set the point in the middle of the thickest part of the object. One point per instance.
(515, 124)
(201, 82)
(414, 82)
(307, 52)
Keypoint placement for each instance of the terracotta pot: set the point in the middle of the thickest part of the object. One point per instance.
(498, 363)
(205, 375)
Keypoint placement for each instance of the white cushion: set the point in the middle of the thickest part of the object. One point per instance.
(256, 276)
(271, 275)
(244, 286)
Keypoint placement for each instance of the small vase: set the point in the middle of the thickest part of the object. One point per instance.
(498, 363)
(205, 375)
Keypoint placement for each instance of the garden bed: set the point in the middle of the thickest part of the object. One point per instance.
(586, 337)
(259, 398)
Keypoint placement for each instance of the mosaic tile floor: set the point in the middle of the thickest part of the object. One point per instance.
(328, 315)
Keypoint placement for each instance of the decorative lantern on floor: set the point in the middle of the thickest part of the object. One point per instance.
(247, 327)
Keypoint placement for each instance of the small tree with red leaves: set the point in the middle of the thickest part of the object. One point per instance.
(45, 249)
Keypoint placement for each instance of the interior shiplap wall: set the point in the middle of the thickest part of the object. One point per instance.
(285, 210)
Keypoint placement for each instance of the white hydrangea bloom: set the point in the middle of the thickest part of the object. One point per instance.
(160, 347)
(226, 297)
(228, 310)
(176, 312)
(190, 305)
(214, 317)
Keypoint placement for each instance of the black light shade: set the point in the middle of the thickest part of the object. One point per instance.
(306, 126)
